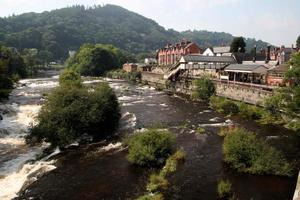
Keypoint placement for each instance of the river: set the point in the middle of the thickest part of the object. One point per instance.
(100, 170)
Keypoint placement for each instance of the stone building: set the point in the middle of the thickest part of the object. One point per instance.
(170, 54)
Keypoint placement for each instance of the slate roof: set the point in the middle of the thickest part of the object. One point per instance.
(210, 59)
(249, 68)
(240, 57)
(221, 49)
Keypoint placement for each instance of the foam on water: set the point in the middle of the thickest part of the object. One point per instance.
(129, 120)
(12, 184)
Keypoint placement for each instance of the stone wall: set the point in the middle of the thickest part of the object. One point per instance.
(240, 92)
(248, 94)
(153, 78)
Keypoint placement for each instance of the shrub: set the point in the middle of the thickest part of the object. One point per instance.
(156, 196)
(229, 107)
(150, 148)
(249, 111)
(224, 189)
(244, 152)
(71, 112)
(172, 162)
(200, 131)
(70, 78)
(157, 183)
(204, 89)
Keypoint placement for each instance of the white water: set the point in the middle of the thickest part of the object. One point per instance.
(17, 164)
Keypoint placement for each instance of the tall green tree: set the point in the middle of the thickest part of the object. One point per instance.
(298, 42)
(238, 45)
(95, 60)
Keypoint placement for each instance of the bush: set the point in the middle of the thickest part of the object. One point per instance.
(150, 148)
(224, 189)
(229, 107)
(157, 196)
(249, 111)
(172, 163)
(200, 131)
(157, 183)
(71, 112)
(204, 89)
(70, 78)
(244, 152)
(223, 105)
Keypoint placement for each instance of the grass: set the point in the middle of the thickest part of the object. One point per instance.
(156, 196)
(158, 181)
(224, 189)
(200, 131)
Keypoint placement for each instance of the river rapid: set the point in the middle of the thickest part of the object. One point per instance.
(99, 170)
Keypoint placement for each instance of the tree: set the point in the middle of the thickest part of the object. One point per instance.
(72, 111)
(238, 45)
(70, 78)
(45, 56)
(95, 60)
(298, 42)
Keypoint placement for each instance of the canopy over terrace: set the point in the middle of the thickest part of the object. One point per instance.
(251, 73)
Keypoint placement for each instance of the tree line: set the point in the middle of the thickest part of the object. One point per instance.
(58, 31)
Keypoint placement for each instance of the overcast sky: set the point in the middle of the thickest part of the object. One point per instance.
(274, 21)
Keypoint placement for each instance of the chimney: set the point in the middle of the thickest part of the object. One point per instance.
(268, 54)
(254, 53)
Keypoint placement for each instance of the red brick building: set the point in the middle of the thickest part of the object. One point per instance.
(170, 54)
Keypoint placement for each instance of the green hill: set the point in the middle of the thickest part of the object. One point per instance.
(65, 29)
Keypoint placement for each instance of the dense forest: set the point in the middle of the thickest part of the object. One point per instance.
(58, 31)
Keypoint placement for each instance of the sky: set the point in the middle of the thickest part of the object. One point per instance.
(273, 21)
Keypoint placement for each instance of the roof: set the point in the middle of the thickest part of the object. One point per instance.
(213, 59)
(249, 68)
(240, 57)
(221, 49)
(279, 69)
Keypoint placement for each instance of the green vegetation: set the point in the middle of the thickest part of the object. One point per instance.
(200, 131)
(12, 67)
(223, 105)
(172, 162)
(150, 148)
(58, 31)
(204, 88)
(121, 74)
(95, 60)
(244, 152)
(72, 110)
(224, 189)
(298, 42)
(157, 196)
(238, 44)
(287, 100)
(158, 181)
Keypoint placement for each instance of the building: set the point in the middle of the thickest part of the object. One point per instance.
(208, 52)
(246, 73)
(220, 51)
(170, 54)
(150, 61)
(198, 65)
(275, 75)
(130, 67)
